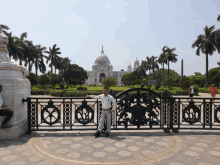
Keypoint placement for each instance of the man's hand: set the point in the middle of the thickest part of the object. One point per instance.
(87, 96)
(111, 111)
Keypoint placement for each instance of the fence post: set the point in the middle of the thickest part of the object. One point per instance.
(29, 114)
(171, 112)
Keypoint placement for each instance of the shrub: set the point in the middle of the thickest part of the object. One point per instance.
(61, 86)
(92, 85)
(43, 80)
(81, 87)
(152, 88)
(142, 85)
(157, 86)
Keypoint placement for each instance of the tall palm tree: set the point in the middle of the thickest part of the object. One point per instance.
(29, 54)
(20, 42)
(154, 64)
(162, 60)
(170, 57)
(205, 43)
(53, 54)
(38, 61)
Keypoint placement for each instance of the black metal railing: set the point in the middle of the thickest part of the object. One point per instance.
(137, 108)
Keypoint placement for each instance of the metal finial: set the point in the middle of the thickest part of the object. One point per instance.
(102, 50)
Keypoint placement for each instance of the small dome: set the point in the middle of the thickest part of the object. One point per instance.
(136, 60)
(129, 64)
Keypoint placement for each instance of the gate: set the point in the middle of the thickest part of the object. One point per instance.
(137, 108)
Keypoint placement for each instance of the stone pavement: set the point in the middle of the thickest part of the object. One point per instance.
(190, 147)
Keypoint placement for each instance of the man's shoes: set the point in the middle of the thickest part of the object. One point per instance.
(107, 134)
(97, 134)
(5, 126)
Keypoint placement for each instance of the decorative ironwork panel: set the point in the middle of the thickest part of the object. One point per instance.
(207, 113)
(217, 111)
(34, 114)
(191, 113)
(67, 114)
(176, 118)
(84, 114)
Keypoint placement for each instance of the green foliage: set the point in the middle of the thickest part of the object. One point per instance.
(214, 76)
(142, 85)
(152, 88)
(184, 82)
(54, 80)
(78, 87)
(32, 78)
(108, 82)
(182, 92)
(92, 85)
(61, 86)
(73, 81)
(169, 81)
(157, 86)
(43, 80)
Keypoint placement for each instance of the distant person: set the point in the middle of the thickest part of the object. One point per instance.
(5, 112)
(106, 110)
(191, 91)
(213, 91)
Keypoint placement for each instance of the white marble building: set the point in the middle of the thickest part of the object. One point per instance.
(102, 68)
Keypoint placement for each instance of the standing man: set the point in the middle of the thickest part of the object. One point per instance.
(191, 91)
(213, 91)
(4, 112)
(106, 110)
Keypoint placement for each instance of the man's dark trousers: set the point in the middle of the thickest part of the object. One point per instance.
(6, 112)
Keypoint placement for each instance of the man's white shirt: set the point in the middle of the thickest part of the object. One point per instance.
(106, 101)
(1, 101)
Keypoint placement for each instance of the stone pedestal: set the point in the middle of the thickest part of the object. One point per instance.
(15, 87)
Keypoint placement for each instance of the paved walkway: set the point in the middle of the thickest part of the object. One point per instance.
(121, 147)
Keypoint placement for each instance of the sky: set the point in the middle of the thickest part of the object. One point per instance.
(128, 29)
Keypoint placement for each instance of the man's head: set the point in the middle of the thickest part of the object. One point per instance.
(0, 88)
(213, 85)
(105, 91)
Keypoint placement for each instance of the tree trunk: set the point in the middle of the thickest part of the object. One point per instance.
(29, 66)
(168, 68)
(51, 66)
(36, 69)
(206, 77)
(20, 62)
(153, 70)
(163, 76)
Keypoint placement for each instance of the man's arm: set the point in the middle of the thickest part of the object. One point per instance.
(114, 103)
(94, 96)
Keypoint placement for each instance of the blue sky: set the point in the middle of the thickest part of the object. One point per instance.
(128, 29)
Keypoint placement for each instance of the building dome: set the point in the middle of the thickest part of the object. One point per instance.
(136, 60)
(102, 57)
(129, 64)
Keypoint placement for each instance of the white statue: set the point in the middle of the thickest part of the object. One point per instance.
(5, 62)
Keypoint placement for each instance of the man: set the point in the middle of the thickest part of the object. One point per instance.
(213, 91)
(4, 112)
(106, 110)
(191, 91)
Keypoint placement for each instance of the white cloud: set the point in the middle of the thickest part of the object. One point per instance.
(109, 6)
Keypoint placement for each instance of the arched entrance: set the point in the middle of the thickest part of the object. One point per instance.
(101, 76)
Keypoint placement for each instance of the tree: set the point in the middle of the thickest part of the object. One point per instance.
(43, 80)
(153, 63)
(108, 82)
(38, 61)
(76, 72)
(54, 80)
(73, 81)
(205, 44)
(170, 57)
(184, 82)
(53, 54)
(162, 60)
(32, 78)
(214, 76)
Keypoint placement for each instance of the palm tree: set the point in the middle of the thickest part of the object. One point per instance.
(38, 60)
(29, 54)
(170, 57)
(20, 42)
(154, 64)
(218, 19)
(205, 43)
(53, 54)
(162, 60)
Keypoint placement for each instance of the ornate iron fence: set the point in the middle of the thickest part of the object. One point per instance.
(137, 108)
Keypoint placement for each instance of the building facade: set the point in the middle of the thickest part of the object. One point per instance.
(103, 68)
